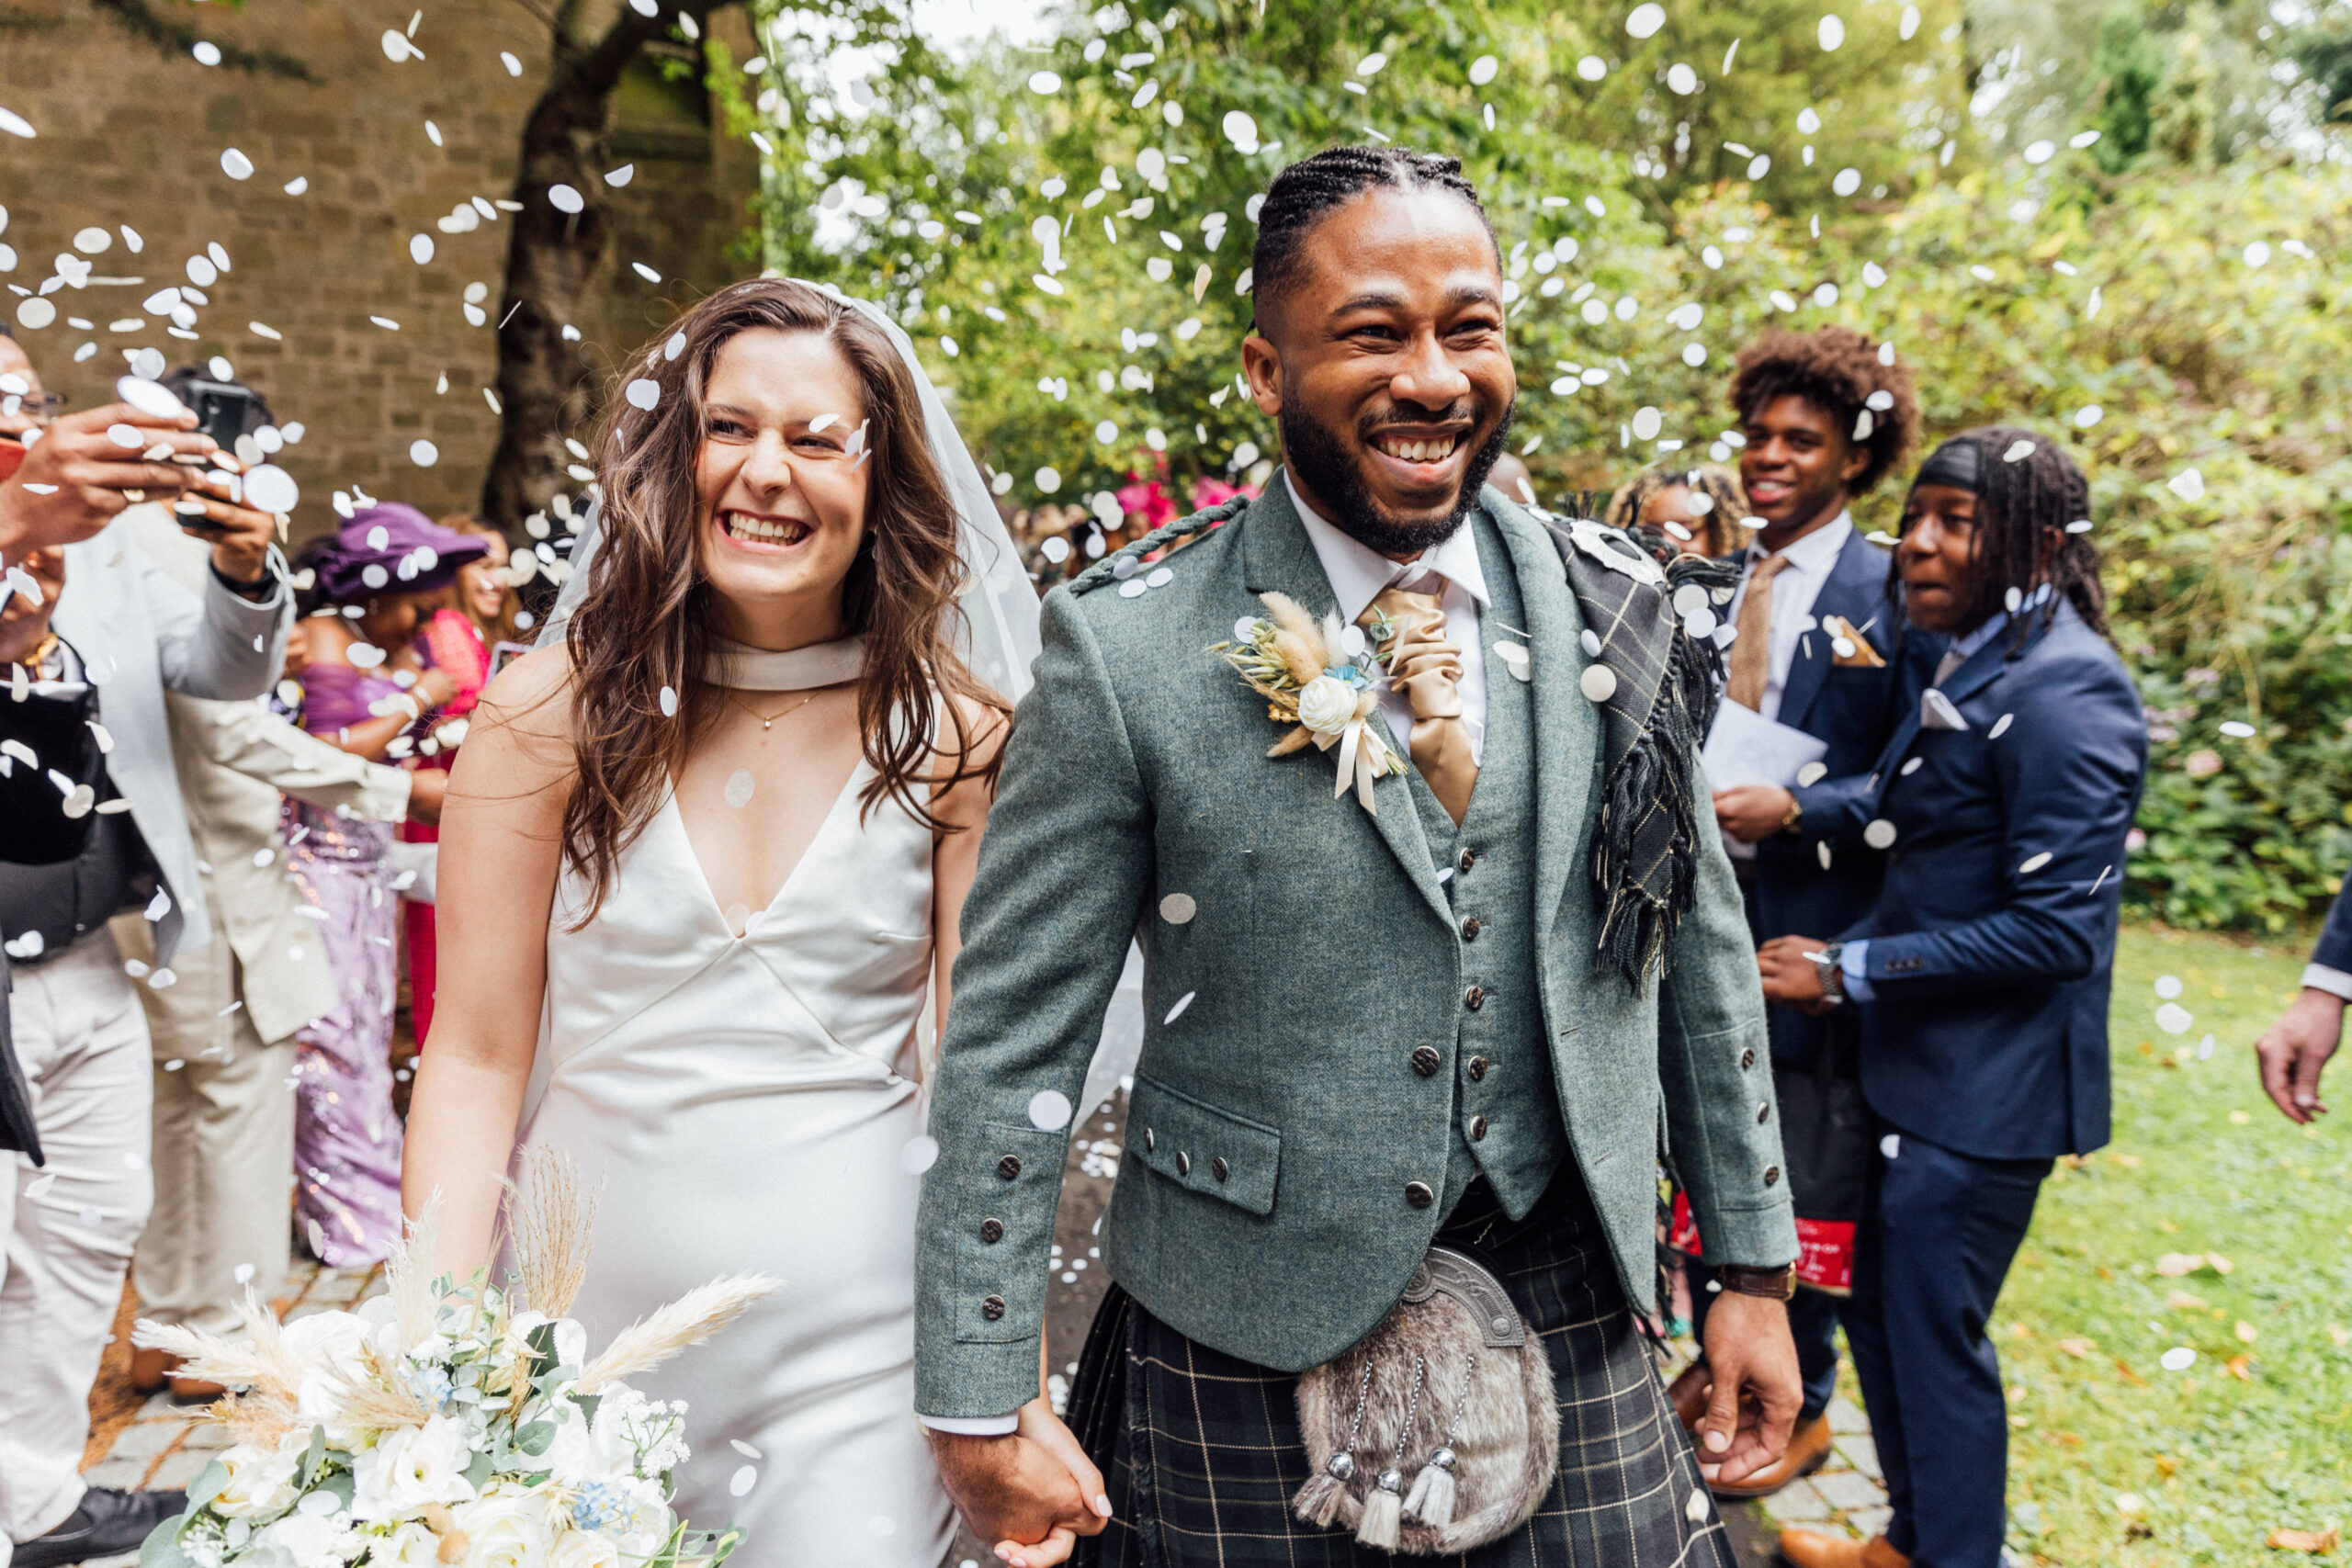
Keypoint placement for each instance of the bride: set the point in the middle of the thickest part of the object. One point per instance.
(703, 860)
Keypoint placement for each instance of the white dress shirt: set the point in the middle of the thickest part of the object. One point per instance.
(1358, 573)
(1811, 560)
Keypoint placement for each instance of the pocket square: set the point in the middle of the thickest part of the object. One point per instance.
(1936, 712)
(1858, 652)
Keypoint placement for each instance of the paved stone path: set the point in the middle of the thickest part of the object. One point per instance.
(164, 1445)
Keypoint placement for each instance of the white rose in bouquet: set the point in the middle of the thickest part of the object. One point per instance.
(410, 1470)
(583, 1549)
(509, 1526)
(413, 1545)
(261, 1483)
(331, 1348)
(314, 1541)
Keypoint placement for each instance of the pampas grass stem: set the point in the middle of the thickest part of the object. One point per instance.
(691, 1319)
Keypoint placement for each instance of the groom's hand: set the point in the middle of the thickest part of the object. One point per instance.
(1757, 1389)
(1033, 1491)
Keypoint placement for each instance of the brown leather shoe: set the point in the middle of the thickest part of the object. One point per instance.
(1808, 1447)
(1807, 1548)
(1689, 1392)
(148, 1368)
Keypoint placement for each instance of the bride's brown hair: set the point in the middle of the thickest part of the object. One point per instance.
(643, 626)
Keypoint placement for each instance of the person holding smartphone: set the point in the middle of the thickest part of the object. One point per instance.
(111, 630)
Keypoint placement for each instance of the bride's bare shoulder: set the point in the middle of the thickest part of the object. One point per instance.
(528, 707)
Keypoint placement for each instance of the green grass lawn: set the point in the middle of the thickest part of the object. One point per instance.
(2114, 1460)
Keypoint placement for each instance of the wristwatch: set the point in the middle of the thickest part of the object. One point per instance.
(1795, 814)
(1829, 965)
(1778, 1284)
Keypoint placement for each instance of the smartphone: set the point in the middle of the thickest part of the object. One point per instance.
(221, 412)
(505, 653)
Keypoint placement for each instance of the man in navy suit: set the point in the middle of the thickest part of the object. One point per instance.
(1824, 420)
(2293, 1051)
(1982, 975)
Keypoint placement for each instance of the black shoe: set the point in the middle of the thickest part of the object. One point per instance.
(109, 1523)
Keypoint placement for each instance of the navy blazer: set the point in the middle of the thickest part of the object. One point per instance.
(2335, 949)
(1855, 709)
(1993, 938)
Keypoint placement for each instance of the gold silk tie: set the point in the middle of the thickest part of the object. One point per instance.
(1428, 669)
(1751, 647)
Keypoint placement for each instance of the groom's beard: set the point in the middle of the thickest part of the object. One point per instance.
(1327, 467)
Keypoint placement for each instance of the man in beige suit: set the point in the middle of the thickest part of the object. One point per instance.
(223, 1034)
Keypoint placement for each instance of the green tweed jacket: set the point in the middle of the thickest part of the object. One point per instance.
(1296, 948)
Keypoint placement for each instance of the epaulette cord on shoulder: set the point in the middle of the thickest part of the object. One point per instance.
(1106, 571)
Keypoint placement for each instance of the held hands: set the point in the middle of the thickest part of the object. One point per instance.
(1033, 1491)
(1752, 813)
(1791, 977)
(2293, 1051)
(1758, 1391)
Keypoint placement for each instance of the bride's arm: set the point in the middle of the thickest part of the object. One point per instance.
(955, 856)
(501, 838)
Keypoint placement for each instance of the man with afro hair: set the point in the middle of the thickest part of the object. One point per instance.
(1823, 417)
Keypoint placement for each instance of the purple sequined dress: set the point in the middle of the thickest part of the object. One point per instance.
(346, 1137)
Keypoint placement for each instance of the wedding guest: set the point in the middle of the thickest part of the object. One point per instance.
(1824, 420)
(224, 1036)
(112, 634)
(1699, 507)
(365, 692)
(2292, 1051)
(458, 639)
(1981, 977)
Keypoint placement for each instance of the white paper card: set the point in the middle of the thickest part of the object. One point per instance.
(1745, 748)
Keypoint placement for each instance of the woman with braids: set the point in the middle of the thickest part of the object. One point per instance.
(703, 864)
(1982, 975)
(1699, 509)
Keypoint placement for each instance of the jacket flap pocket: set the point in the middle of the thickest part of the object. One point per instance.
(1201, 1148)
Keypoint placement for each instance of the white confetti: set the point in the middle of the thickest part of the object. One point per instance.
(16, 124)
(2188, 484)
(2174, 1019)
(1833, 32)
(1049, 1110)
(2168, 988)
(743, 1481)
(746, 1449)
(1879, 834)
(669, 702)
(2034, 862)
(643, 393)
(1177, 1010)
(918, 1155)
(420, 248)
(1645, 19)
(2000, 727)
(739, 784)
(563, 199)
(236, 165)
(1178, 908)
(423, 453)
(1599, 682)
(2180, 1358)
(1890, 1146)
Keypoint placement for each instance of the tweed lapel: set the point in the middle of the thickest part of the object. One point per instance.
(1566, 735)
(1278, 556)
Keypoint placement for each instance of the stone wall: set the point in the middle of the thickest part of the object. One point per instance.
(130, 135)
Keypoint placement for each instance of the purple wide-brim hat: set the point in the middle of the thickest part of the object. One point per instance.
(392, 549)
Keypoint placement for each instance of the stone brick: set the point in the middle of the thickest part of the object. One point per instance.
(1849, 1489)
(116, 1471)
(144, 1440)
(1797, 1503)
(1859, 1452)
(178, 1469)
(132, 136)
(1872, 1521)
(1845, 1416)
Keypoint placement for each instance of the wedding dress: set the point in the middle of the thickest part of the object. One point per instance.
(748, 1103)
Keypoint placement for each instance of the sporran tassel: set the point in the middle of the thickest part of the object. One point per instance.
(1432, 1500)
(1384, 1513)
(1318, 1503)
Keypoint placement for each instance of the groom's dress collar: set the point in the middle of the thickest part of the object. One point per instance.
(1358, 573)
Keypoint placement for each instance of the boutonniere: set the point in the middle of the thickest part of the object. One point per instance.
(1319, 678)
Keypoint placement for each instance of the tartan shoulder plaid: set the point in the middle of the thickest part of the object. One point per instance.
(1202, 1452)
(1645, 848)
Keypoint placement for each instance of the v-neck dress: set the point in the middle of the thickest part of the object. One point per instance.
(748, 1103)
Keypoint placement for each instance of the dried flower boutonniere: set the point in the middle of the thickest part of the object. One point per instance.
(1321, 678)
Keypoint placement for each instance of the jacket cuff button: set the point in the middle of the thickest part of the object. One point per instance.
(1184, 1163)
(1419, 1195)
(1764, 1112)
(1771, 1176)
(1218, 1168)
(1747, 1057)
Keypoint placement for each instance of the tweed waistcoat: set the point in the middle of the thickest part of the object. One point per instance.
(1505, 1110)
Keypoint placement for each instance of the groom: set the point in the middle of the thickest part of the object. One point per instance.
(1368, 1030)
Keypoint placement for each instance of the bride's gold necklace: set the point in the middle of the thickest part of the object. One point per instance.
(768, 721)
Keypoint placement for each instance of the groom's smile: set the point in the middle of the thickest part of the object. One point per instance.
(1379, 350)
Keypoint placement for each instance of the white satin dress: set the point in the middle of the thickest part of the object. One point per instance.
(747, 1103)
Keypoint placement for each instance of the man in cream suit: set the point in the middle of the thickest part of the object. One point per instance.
(222, 1038)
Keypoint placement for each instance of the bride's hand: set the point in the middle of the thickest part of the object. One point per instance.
(1040, 1426)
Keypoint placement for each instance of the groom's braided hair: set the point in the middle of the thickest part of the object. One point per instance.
(1311, 189)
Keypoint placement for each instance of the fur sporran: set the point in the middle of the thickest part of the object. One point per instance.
(1438, 1431)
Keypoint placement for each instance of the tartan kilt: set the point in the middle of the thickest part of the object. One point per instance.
(1201, 1451)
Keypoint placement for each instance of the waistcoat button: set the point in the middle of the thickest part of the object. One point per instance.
(1469, 859)
(1771, 1175)
(1218, 1168)
(1425, 1060)
(1478, 1129)
(991, 1231)
(1419, 1195)
(1008, 1167)
(1475, 999)
(1151, 1140)
(1477, 1068)
(991, 1307)
(1764, 1112)
(1184, 1163)
(1747, 1057)
(1470, 929)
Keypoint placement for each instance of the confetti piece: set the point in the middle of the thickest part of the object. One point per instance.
(1049, 1110)
(1178, 908)
(739, 784)
(236, 165)
(1177, 1010)
(918, 1155)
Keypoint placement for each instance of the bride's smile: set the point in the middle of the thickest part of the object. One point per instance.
(781, 485)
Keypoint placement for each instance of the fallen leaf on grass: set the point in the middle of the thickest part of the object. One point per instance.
(2172, 1265)
(2081, 1348)
(2129, 1162)
(2336, 1333)
(2318, 1543)
(2133, 1378)
(2181, 1300)
(2241, 1368)
(2246, 1331)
